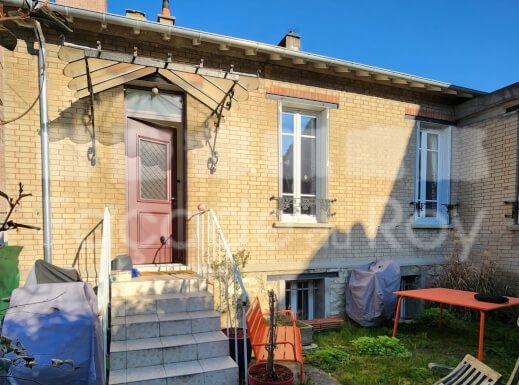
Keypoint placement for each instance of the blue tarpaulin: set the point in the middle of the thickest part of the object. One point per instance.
(56, 321)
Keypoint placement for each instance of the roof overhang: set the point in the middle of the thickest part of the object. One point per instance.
(269, 53)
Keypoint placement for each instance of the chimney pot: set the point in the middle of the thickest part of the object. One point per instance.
(165, 17)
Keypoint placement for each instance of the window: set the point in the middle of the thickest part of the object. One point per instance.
(303, 169)
(304, 298)
(432, 194)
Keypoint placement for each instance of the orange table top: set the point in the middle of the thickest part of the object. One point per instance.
(456, 298)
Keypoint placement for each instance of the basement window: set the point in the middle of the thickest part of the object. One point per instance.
(305, 298)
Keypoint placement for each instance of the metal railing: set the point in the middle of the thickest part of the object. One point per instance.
(93, 259)
(215, 262)
(103, 284)
(87, 255)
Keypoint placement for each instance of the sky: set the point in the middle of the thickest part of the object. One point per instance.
(468, 43)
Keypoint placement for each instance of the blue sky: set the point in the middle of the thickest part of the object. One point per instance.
(469, 43)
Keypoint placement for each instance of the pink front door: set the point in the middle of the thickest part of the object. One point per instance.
(151, 193)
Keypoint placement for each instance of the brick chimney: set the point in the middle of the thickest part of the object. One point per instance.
(92, 5)
(291, 41)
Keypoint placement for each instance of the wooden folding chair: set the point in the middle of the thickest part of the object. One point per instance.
(514, 377)
(470, 371)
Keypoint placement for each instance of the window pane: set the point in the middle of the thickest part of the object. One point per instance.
(431, 186)
(308, 205)
(431, 209)
(153, 170)
(288, 123)
(308, 125)
(308, 166)
(432, 142)
(288, 164)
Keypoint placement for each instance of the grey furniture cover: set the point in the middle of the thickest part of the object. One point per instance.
(56, 320)
(369, 294)
(45, 272)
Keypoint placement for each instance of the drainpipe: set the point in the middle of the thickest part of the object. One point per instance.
(44, 139)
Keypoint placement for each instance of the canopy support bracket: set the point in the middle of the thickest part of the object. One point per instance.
(217, 114)
(92, 151)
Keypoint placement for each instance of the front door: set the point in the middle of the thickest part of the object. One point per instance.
(151, 193)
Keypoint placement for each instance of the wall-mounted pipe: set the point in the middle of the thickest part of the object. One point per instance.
(44, 140)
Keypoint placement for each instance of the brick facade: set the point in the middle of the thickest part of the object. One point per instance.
(372, 161)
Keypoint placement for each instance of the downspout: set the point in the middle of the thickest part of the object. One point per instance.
(44, 139)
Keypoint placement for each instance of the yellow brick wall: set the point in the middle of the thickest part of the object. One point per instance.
(371, 166)
(487, 170)
(372, 152)
(79, 191)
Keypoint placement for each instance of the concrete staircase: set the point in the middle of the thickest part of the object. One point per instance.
(164, 331)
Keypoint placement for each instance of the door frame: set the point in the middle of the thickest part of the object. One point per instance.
(178, 171)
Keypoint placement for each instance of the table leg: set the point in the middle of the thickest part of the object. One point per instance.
(397, 315)
(481, 334)
(441, 315)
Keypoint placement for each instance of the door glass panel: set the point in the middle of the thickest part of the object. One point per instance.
(153, 170)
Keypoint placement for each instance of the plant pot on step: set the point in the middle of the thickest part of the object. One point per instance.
(259, 375)
(235, 336)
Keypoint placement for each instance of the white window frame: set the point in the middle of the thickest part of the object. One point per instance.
(444, 173)
(322, 118)
(294, 290)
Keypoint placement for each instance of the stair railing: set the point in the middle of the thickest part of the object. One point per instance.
(215, 262)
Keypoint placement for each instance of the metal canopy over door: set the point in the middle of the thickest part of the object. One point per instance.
(151, 193)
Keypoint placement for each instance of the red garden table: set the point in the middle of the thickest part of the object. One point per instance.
(455, 298)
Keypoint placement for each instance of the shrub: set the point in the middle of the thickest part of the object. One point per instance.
(380, 346)
(327, 358)
(431, 316)
(462, 274)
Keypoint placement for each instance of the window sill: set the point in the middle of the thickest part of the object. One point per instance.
(430, 226)
(285, 225)
(513, 227)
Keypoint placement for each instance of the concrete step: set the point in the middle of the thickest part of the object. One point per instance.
(210, 371)
(161, 303)
(175, 282)
(167, 350)
(164, 331)
(162, 325)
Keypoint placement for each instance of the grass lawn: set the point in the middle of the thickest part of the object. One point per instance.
(404, 362)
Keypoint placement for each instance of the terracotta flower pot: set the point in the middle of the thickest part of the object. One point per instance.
(258, 375)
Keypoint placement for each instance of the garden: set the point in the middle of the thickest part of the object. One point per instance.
(356, 355)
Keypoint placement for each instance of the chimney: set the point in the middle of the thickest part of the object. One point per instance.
(92, 5)
(165, 17)
(291, 41)
(137, 15)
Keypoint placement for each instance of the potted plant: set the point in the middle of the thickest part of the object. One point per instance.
(270, 373)
(231, 305)
(10, 277)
